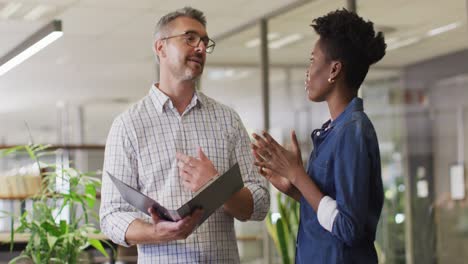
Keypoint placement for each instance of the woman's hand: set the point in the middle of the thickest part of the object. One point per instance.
(281, 183)
(278, 165)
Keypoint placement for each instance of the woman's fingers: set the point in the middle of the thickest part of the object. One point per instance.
(261, 171)
(265, 172)
(257, 156)
(295, 143)
(270, 139)
(267, 156)
(271, 144)
(262, 153)
(263, 164)
(261, 142)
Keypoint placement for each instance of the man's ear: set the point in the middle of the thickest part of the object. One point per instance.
(336, 69)
(160, 48)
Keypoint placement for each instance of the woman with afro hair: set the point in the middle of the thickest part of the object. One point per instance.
(340, 192)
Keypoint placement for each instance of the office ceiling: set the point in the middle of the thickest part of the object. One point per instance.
(105, 54)
(401, 21)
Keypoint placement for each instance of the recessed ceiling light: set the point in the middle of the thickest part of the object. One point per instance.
(440, 30)
(403, 43)
(285, 41)
(256, 41)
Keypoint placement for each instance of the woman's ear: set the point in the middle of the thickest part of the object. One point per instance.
(335, 70)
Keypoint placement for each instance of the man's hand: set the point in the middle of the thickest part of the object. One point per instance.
(195, 172)
(165, 231)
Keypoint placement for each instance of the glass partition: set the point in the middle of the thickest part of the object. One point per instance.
(232, 76)
(407, 98)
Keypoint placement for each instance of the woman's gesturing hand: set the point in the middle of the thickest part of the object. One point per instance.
(279, 165)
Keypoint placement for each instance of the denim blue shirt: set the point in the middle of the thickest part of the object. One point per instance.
(345, 165)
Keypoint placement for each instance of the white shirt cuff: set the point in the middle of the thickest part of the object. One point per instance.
(327, 212)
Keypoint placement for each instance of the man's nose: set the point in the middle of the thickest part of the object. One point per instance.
(201, 47)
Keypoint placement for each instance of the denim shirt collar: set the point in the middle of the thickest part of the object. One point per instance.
(355, 105)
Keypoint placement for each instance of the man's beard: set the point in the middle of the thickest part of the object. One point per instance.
(191, 75)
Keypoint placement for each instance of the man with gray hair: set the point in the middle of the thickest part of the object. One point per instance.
(171, 143)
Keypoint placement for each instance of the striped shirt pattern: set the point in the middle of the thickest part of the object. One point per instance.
(141, 149)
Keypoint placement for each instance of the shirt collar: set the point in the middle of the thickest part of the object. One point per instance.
(353, 106)
(162, 102)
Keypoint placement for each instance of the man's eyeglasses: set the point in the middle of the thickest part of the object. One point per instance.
(193, 40)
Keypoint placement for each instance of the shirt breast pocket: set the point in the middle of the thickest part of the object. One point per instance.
(320, 169)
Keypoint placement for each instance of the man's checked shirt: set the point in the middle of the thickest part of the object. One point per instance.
(141, 149)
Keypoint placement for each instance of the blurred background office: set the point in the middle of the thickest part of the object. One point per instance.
(68, 93)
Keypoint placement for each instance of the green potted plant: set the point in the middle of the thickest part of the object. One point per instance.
(282, 227)
(53, 239)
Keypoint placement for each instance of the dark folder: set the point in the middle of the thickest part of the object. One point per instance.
(209, 198)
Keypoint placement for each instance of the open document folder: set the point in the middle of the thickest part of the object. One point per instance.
(209, 198)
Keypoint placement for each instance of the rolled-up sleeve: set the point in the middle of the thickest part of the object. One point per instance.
(252, 179)
(119, 160)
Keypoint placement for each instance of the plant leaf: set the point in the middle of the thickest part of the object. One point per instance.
(10, 151)
(63, 227)
(51, 240)
(98, 245)
(51, 228)
(16, 259)
(282, 238)
(90, 194)
(272, 231)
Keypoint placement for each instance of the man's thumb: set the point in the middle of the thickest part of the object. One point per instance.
(153, 214)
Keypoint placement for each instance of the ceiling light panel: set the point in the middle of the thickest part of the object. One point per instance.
(284, 41)
(30, 46)
(442, 29)
(256, 41)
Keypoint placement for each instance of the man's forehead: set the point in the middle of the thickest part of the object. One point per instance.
(187, 24)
